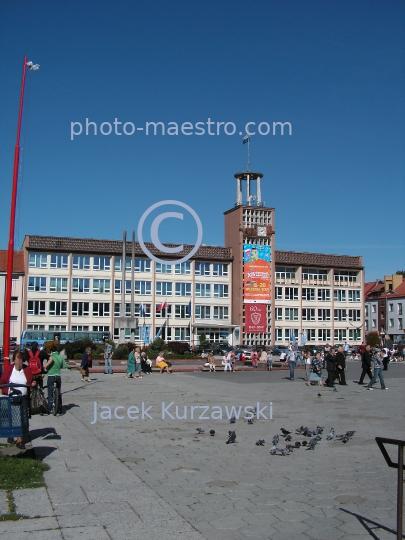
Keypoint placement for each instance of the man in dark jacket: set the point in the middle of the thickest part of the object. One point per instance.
(341, 366)
(331, 368)
(366, 364)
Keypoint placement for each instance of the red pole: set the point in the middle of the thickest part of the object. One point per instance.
(10, 256)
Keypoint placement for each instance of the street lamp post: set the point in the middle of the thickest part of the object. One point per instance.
(10, 254)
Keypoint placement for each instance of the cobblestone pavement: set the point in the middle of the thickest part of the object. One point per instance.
(123, 478)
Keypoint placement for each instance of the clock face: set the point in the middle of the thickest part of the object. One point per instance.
(261, 231)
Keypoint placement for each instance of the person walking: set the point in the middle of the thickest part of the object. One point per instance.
(315, 371)
(386, 358)
(308, 362)
(108, 352)
(138, 366)
(129, 373)
(378, 369)
(292, 359)
(331, 368)
(346, 349)
(211, 361)
(341, 366)
(86, 364)
(366, 360)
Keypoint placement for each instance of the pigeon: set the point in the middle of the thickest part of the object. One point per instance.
(307, 432)
(232, 437)
(304, 443)
(212, 432)
(276, 438)
(273, 450)
(319, 395)
(318, 438)
(299, 430)
(200, 430)
(345, 439)
(335, 389)
(232, 420)
(319, 430)
(285, 452)
(285, 432)
(290, 447)
(331, 434)
(350, 434)
(250, 421)
(297, 444)
(260, 442)
(288, 438)
(312, 444)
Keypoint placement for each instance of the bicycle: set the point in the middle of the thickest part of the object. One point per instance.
(56, 396)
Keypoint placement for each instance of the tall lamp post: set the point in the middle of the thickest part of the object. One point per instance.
(10, 255)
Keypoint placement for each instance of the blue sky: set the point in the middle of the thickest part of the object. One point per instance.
(334, 70)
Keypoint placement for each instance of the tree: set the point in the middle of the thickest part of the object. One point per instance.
(373, 339)
(400, 272)
(203, 340)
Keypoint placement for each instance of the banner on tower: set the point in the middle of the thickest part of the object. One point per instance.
(256, 273)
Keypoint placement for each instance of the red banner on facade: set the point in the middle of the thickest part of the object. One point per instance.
(256, 318)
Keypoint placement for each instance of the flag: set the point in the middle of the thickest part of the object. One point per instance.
(142, 311)
(245, 139)
(189, 309)
(146, 334)
(163, 305)
(159, 332)
(304, 338)
(292, 337)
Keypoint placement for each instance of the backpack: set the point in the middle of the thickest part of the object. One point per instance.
(34, 363)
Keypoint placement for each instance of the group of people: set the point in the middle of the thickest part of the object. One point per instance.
(138, 363)
(28, 369)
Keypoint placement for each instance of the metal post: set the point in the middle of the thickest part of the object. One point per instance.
(10, 254)
(133, 284)
(400, 491)
(122, 311)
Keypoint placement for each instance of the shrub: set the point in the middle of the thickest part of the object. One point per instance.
(121, 352)
(157, 345)
(203, 340)
(373, 339)
(178, 347)
(74, 347)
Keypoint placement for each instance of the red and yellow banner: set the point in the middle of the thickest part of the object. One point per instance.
(256, 274)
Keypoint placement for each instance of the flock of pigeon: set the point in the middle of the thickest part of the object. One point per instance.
(315, 436)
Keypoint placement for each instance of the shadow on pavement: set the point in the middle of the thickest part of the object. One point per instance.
(369, 524)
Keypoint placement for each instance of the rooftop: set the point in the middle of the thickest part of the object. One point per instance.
(318, 259)
(18, 261)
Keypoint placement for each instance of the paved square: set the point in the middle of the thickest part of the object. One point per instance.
(158, 478)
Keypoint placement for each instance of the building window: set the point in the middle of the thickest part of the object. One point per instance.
(183, 289)
(57, 327)
(118, 264)
(58, 284)
(279, 293)
(13, 318)
(354, 296)
(57, 309)
(289, 333)
(390, 308)
(37, 284)
(202, 290)
(59, 261)
(324, 314)
(279, 334)
(164, 288)
(101, 286)
(354, 334)
(142, 265)
(181, 311)
(37, 260)
(221, 313)
(182, 268)
(117, 286)
(382, 314)
(81, 262)
(399, 309)
(80, 309)
(308, 314)
(285, 273)
(340, 296)
(340, 335)
(102, 263)
(373, 308)
(144, 312)
(391, 323)
(182, 334)
(202, 312)
(314, 273)
(308, 294)
(101, 309)
(340, 314)
(221, 291)
(354, 315)
(291, 293)
(202, 269)
(219, 269)
(366, 325)
(14, 298)
(323, 334)
(143, 287)
(345, 275)
(373, 323)
(80, 285)
(324, 295)
(366, 311)
(400, 327)
(279, 314)
(35, 327)
(163, 268)
(291, 314)
(36, 307)
(79, 328)
(311, 334)
(101, 328)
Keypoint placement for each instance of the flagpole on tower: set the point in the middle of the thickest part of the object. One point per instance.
(248, 154)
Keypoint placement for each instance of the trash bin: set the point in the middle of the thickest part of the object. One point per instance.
(14, 415)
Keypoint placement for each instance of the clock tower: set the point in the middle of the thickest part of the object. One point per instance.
(249, 232)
